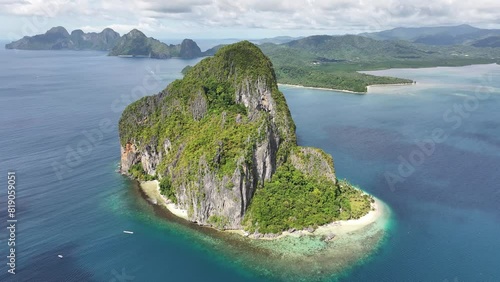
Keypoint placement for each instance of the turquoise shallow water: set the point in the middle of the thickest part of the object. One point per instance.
(445, 215)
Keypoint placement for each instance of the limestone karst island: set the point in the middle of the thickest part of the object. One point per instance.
(249, 141)
(221, 144)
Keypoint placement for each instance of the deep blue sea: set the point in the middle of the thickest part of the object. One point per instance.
(58, 117)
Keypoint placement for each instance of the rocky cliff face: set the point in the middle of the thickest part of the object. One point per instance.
(217, 135)
(58, 38)
(189, 49)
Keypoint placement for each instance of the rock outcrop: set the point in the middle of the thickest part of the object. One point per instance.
(313, 162)
(58, 38)
(105, 40)
(217, 135)
(189, 49)
(137, 44)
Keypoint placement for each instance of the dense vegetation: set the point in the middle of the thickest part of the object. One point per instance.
(492, 41)
(294, 200)
(206, 133)
(185, 70)
(334, 61)
(137, 172)
(167, 189)
(199, 117)
(176, 113)
(135, 43)
(343, 80)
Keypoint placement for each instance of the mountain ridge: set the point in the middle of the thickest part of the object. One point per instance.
(134, 43)
(58, 38)
(440, 35)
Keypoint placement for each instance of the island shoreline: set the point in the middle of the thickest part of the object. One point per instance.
(347, 91)
(388, 85)
(321, 88)
(151, 190)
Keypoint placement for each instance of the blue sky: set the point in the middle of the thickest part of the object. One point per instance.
(239, 19)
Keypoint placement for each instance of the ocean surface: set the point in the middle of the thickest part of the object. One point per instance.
(431, 151)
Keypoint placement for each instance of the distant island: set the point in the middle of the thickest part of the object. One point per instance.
(335, 62)
(220, 145)
(137, 44)
(318, 61)
(58, 38)
(133, 44)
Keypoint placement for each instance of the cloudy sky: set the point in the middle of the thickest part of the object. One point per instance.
(240, 18)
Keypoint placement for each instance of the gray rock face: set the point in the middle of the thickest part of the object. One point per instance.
(129, 157)
(150, 159)
(199, 106)
(314, 162)
(216, 151)
(189, 49)
(256, 96)
(229, 197)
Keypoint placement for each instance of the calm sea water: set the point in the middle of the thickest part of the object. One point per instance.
(58, 116)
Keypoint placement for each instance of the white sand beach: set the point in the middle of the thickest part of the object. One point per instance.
(368, 88)
(346, 226)
(319, 88)
(152, 190)
(374, 86)
(337, 228)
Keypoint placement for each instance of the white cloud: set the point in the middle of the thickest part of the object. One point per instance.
(322, 15)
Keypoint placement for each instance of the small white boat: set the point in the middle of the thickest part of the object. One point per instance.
(60, 256)
(128, 232)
